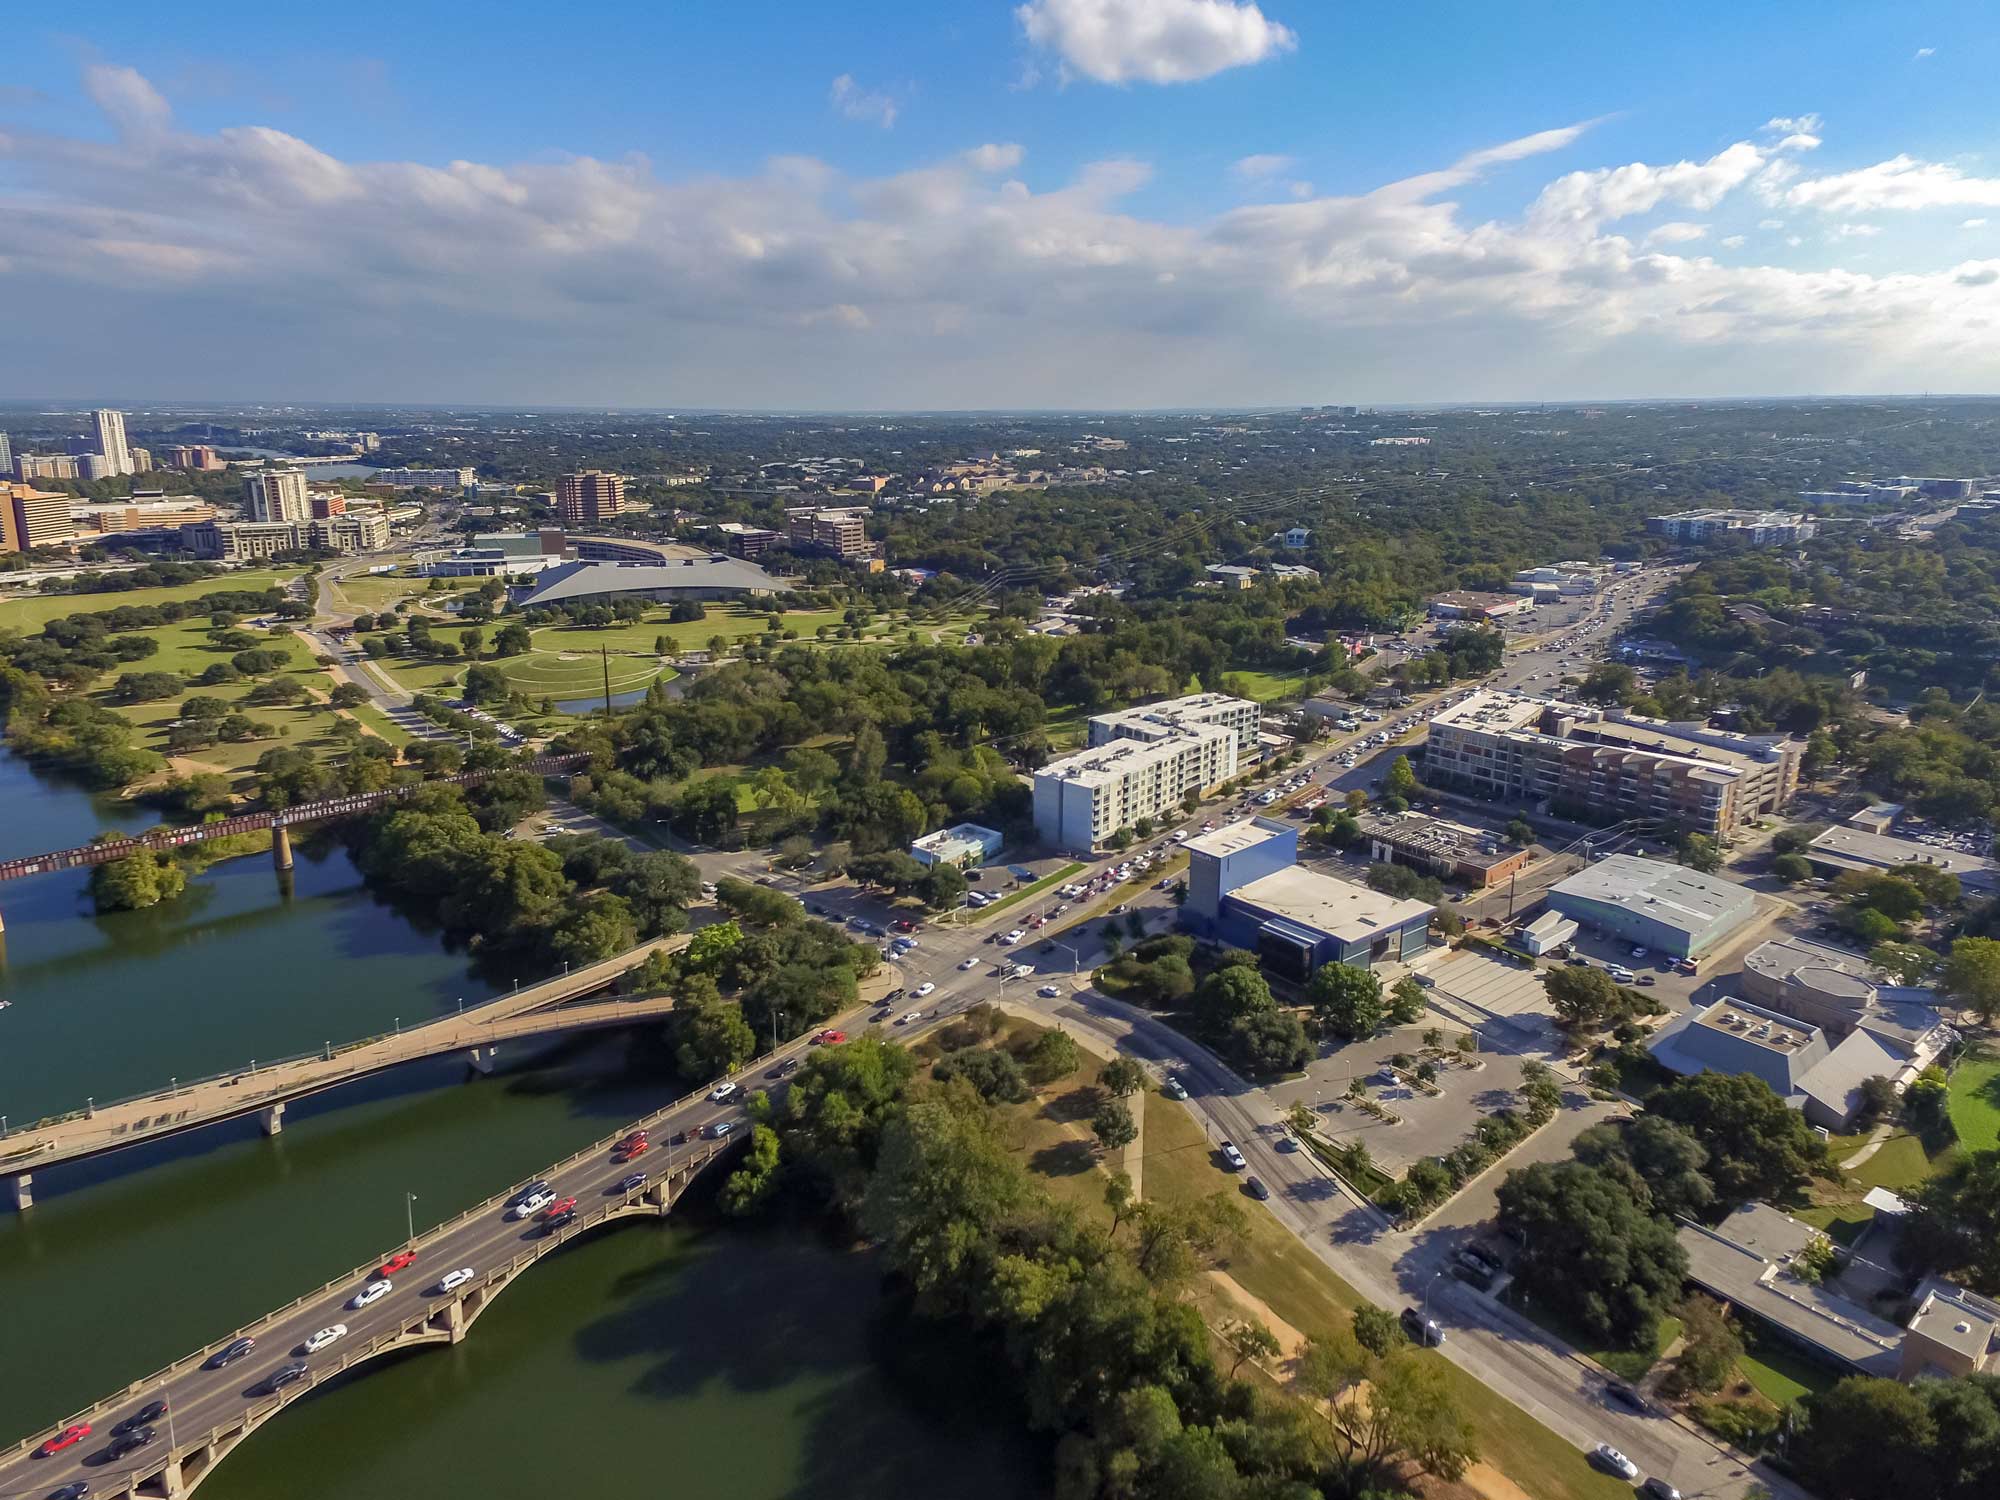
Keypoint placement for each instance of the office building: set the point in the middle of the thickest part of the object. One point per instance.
(1606, 765)
(1246, 889)
(837, 533)
(963, 845)
(591, 497)
(1760, 528)
(1451, 851)
(1665, 908)
(1839, 850)
(244, 541)
(746, 541)
(40, 519)
(110, 428)
(276, 495)
(141, 516)
(6, 455)
(425, 479)
(194, 457)
(29, 467)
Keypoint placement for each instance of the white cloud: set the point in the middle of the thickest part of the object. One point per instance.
(1857, 231)
(1793, 125)
(1258, 168)
(129, 102)
(1153, 41)
(1794, 241)
(1676, 232)
(995, 157)
(1770, 223)
(1299, 189)
(950, 283)
(857, 103)
(1799, 142)
(1973, 224)
(1731, 242)
(1924, 52)
(1901, 183)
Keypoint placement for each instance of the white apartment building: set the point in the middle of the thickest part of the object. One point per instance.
(277, 495)
(111, 443)
(1762, 528)
(1140, 764)
(429, 479)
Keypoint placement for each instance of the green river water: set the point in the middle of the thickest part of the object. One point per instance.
(647, 1360)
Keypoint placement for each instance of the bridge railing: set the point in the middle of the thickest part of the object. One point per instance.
(436, 1232)
(323, 1054)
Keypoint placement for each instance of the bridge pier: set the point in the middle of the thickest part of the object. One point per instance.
(271, 1120)
(21, 1191)
(454, 1318)
(281, 847)
(482, 1060)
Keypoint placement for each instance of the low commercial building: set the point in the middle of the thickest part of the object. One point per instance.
(1839, 993)
(1246, 889)
(1589, 763)
(1839, 850)
(746, 541)
(1230, 575)
(963, 844)
(712, 577)
(1803, 1066)
(1462, 604)
(1547, 932)
(1562, 579)
(1664, 907)
(1451, 851)
(1761, 528)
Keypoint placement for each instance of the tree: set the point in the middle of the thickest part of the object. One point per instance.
(1113, 1125)
(1956, 1227)
(347, 695)
(1972, 976)
(1400, 781)
(1869, 926)
(1228, 994)
(593, 928)
(1584, 996)
(1520, 832)
(757, 905)
(1377, 1411)
(1590, 1249)
(1348, 999)
(1758, 1146)
(1300, 1118)
(708, 1036)
(1699, 852)
(754, 1180)
(1867, 1438)
(1267, 1043)
(1249, 1339)
(1119, 1198)
(139, 880)
(1053, 1055)
(1407, 1002)
(1665, 1160)
(512, 639)
(1791, 868)
(994, 1073)
(942, 1178)
(487, 684)
(1122, 1076)
(941, 886)
(1907, 963)
(705, 810)
(1710, 1349)
(1377, 1330)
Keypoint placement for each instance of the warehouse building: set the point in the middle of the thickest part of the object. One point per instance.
(714, 577)
(1839, 850)
(1663, 907)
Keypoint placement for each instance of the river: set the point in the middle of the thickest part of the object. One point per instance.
(647, 1357)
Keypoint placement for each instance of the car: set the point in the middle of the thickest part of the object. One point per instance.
(451, 1281)
(1049, 991)
(330, 1334)
(1256, 1188)
(69, 1437)
(909, 1018)
(375, 1291)
(632, 1182)
(815, 908)
(284, 1375)
(904, 924)
(1628, 1398)
(76, 1489)
(829, 1038)
(528, 1207)
(1420, 1328)
(1287, 1141)
(1609, 1459)
(151, 1412)
(1657, 1488)
(561, 1206)
(1647, 979)
(631, 1149)
(970, 963)
(784, 1069)
(234, 1350)
(1387, 1076)
(923, 989)
(630, 1138)
(1173, 1088)
(1233, 1157)
(1013, 937)
(1622, 975)
(1639, 952)
(715, 1130)
(130, 1442)
(721, 1091)
(556, 1223)
(1471, 1273)
(401, 1260)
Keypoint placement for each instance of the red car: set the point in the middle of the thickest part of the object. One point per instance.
(69, 1437)
(629, 1149)
(560, 1206)
(397, 1262)
(829, 1038)
(904, 924)
(636, 1138)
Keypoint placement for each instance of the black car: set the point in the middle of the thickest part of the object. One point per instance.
(151, 1412)
(559, 1221)
(286, 1375)
(131, 1442)
(231, 1352)
(1417, 1326)
(633, 1183)
(1257, 1188)
(788, 1067)
(76, 1489)
(1626, 1397)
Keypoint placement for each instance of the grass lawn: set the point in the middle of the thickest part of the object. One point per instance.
(1276, 1268)
(375, 592)
(541, 675)
(1627, 1364)
(1900, 1166)
(424, 676)
(29, 613)
(1267, 687)
(1975, 1100)
(381, 725)
(1780, 1375)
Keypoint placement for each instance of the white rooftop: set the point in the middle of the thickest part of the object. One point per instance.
(1338, 908)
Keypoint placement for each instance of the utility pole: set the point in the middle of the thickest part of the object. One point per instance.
(604, 656)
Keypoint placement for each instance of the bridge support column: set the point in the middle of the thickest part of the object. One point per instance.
(21, 1191)
(454, 1319)
(481, 1059)
(281, 847)
(171, 1482)
(272, 1120)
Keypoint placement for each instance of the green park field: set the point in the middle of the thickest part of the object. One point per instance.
(28, 613)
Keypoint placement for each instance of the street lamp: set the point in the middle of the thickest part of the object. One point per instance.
(410, 1214)
(1427, 1303)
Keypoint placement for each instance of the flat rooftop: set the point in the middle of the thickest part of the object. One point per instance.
(1491, 710)
(1753, 1026)
(1234, 838)
(1442, 837)
(1858, 849)
(1668, 893)
(1108, 762)
(1825, 971)
(1322, 903)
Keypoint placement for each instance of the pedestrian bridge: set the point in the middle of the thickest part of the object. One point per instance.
(569, 1002)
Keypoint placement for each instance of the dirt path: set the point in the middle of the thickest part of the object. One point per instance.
(1290, 1340)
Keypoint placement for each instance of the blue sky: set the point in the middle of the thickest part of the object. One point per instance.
(1179, 201)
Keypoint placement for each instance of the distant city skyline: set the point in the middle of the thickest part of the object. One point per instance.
(1061, 204)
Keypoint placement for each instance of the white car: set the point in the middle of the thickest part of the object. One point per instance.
(923, 989)
(1023, 971)
(1173, 1088)
(1014, 937)
(375, 1291)
(909, 1018)
(1234, 1157)
(325, 1336)
(524, 1208)
(453, 1280)
(1610, 1459)
(1622, 975)
(1049, 991)
(721, 1091)
(970, 963)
